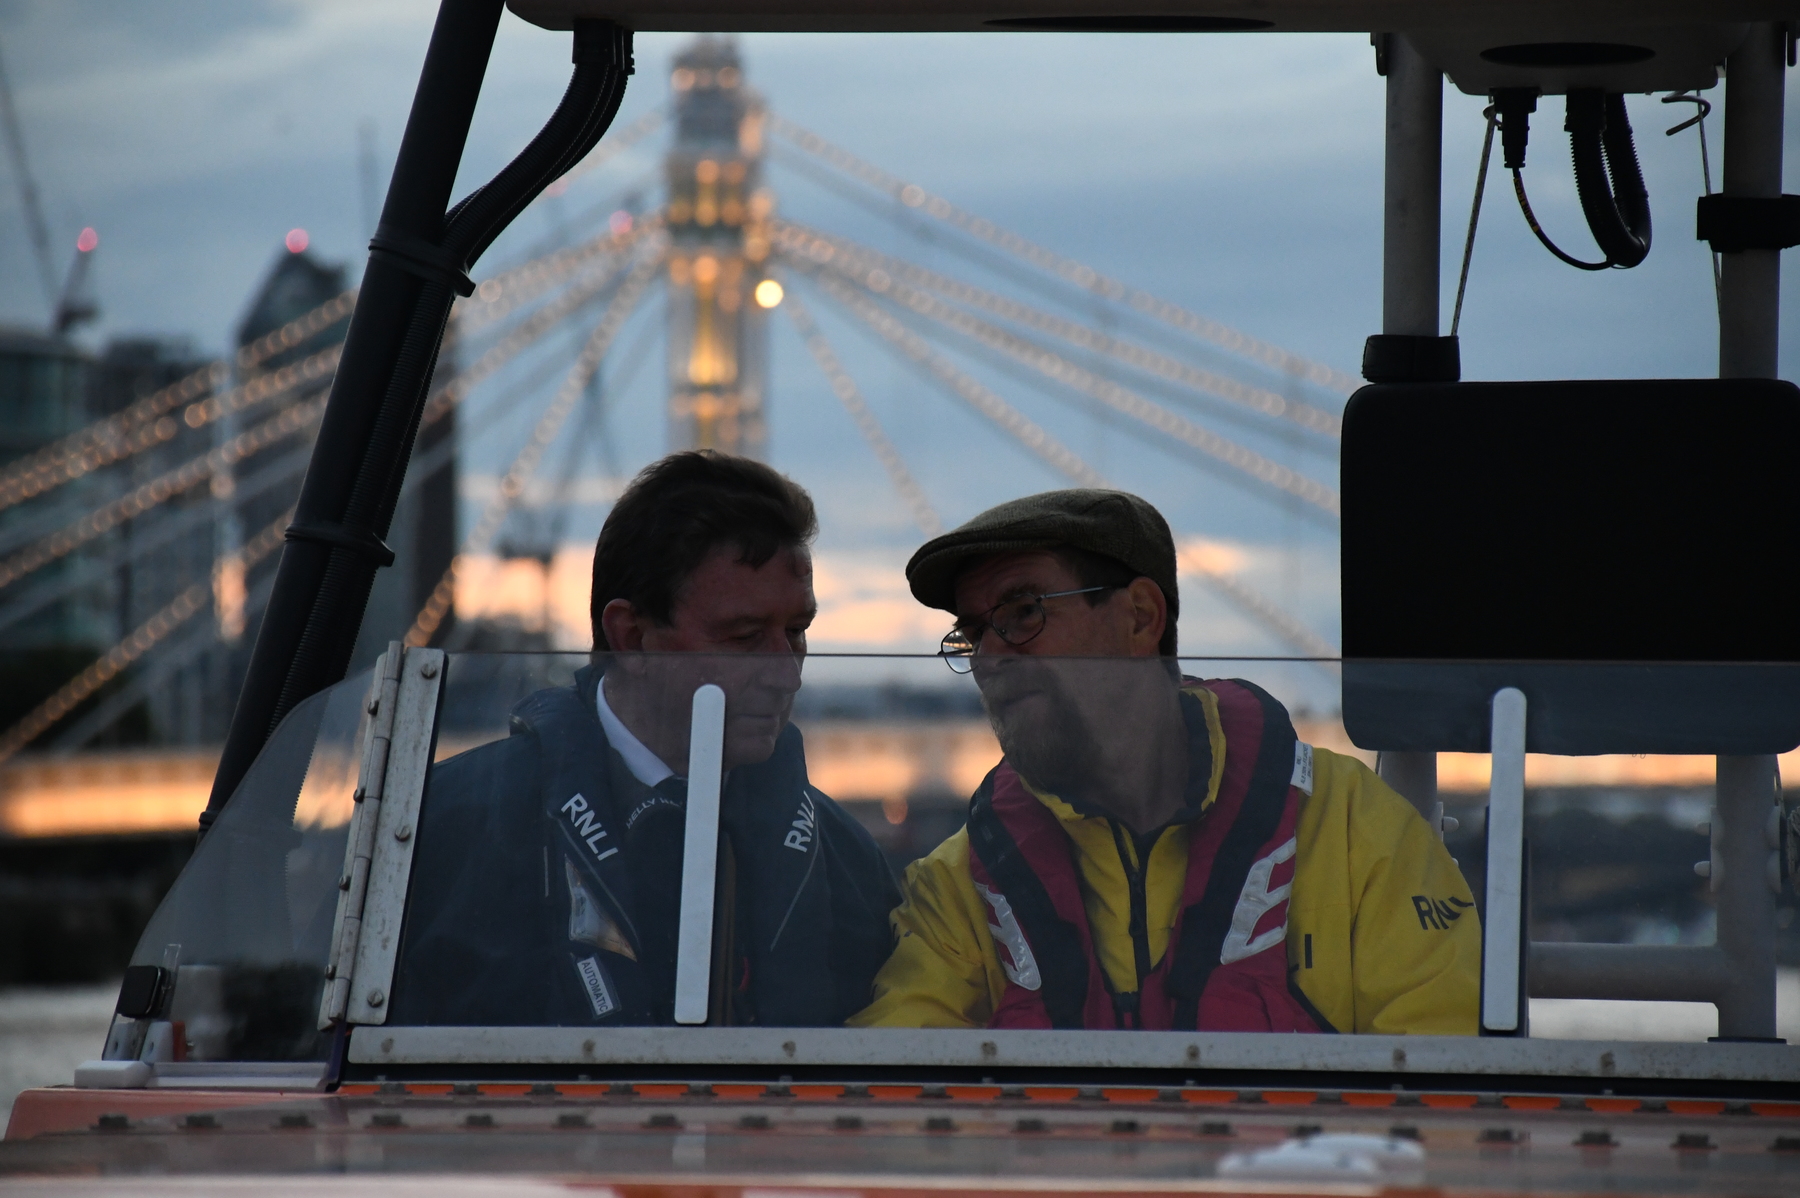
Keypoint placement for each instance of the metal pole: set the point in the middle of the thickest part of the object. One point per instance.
(1410, 235)
(1749, 347)
(430, 152)
(1746, 901)
(1412, 203)
(1750, 280)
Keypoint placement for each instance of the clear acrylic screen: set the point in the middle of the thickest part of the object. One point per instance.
(548, 863)
(248, 923)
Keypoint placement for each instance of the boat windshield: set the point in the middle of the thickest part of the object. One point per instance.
(245, 932)
(995, 843)
(1030, 842)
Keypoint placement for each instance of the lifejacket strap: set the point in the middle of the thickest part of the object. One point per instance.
(1206, 923)
(1055, 943)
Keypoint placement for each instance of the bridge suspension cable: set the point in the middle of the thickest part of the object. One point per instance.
(844, 387)
(1086, 277)
(145, 637)
(1120, 399)
(163, 531)
(1255, 604)
(122, 434)
(290, 420)
(159, 490)
(92, 569)
(624, 302)
(149, 422)
(834, 252)
(971, 392)
(1260, 608)
(611, 146)
(172, 656)
(154, 630)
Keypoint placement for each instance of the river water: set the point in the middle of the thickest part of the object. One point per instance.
(45, 1031)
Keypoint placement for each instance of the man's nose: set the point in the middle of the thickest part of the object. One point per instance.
(778, 665)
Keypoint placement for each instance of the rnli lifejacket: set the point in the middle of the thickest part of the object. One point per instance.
(526, 907)
(808, 938)
(1226, 965)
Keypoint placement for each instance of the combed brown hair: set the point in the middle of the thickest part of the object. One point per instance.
(676, 512)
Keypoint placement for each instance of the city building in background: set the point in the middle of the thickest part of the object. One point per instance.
(44, 397)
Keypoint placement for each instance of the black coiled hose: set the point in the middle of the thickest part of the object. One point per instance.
(1607, 177)
(1618, 213)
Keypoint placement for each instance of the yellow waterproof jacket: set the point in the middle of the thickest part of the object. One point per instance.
(1382, 934)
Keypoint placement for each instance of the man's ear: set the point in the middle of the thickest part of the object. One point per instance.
(1149, 616)
(622, 628)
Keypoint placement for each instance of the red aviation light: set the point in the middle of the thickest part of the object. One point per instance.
(88, 241)
(297, 240)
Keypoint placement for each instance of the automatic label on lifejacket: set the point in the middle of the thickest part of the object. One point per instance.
(593, 980)
(1303, 767)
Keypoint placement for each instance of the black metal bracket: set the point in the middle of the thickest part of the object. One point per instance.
(1737, 223)
(1402, 358)
(144, 992)
(337, 536)
(417, 256)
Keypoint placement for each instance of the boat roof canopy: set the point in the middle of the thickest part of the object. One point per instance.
(1152, 16)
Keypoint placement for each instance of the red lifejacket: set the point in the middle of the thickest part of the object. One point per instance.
(1226, 965)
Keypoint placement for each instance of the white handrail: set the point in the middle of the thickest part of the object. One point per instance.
(1505, 865)
(700, 855)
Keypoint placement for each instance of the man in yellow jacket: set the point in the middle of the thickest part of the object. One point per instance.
(1154, 851)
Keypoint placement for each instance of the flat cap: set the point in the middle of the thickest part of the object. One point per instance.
(1112, 524)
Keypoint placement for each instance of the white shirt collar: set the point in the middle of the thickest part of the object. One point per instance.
(644, 765)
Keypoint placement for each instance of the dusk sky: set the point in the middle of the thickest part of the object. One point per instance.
(1237, 175)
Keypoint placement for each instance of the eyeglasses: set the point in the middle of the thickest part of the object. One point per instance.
(1016, 621)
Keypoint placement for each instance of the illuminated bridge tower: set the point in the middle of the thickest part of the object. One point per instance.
(717, 214)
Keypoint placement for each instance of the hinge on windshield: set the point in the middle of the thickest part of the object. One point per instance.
(365, 938)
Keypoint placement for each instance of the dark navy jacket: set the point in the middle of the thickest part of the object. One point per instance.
(545, 885)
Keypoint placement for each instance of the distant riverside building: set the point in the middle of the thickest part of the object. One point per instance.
(717, 215)
(43, 398)
(154, 557)
(83, 602)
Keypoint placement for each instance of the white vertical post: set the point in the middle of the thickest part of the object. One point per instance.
(1412, 207)
(1746, 790)
(1749, 342)
(1412, 204)
(700, 855)
(1504, 927)
(1750, 280)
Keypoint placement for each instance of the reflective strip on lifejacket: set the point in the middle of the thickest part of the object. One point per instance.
(1256, 900)
(1020, 966)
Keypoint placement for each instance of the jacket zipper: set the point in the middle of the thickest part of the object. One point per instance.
(1126, 1007)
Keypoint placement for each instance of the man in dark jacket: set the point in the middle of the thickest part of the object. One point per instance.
(547, 878)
